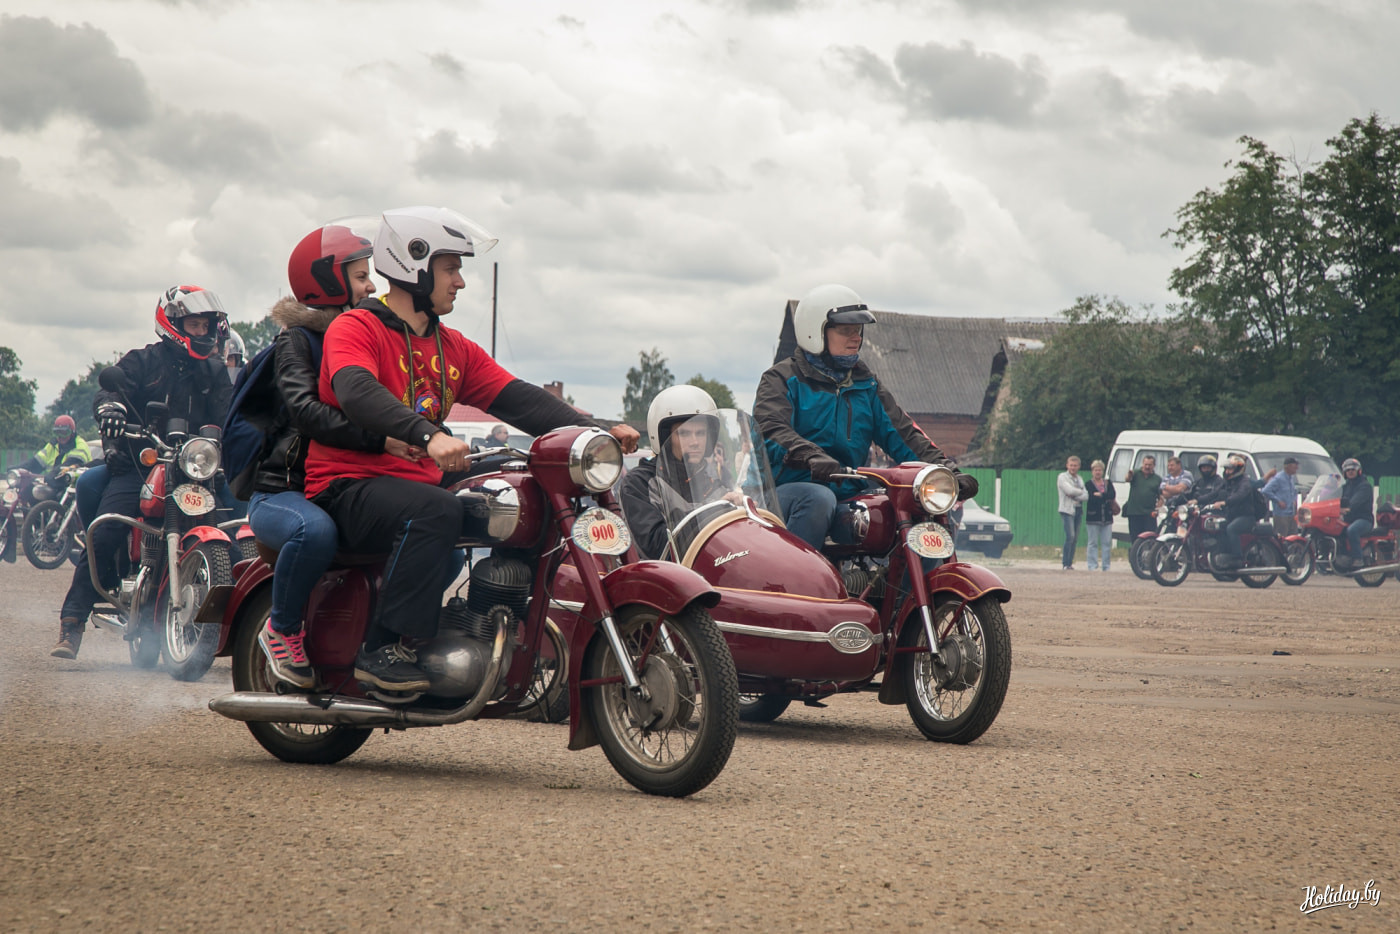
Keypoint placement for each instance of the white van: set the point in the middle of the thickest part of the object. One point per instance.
(1261, 454)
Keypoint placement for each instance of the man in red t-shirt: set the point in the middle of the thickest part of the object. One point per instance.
(394, 369)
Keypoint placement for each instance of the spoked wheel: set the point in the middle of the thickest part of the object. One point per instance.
(291, 742)
(1170, 565)
(956, 699)
(1368, 555)
(677, 738)
(1144, 571)
(46, 541)
(1260, 554)
(1301, 562)
(189, 646)
(144, 647)
(762, 708)
(548, 700)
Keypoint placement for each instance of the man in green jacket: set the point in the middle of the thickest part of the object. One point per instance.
(1144, 488)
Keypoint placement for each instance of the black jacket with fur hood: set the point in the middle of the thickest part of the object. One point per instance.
(305, 415)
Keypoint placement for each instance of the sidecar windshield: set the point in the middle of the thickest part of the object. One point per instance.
(707, 467)
(1328, 486)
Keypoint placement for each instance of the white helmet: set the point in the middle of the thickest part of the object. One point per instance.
(234, 349)
(679, 403)
(409, 238)
(826, 304)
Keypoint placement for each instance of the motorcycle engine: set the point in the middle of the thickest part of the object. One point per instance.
(455, 660)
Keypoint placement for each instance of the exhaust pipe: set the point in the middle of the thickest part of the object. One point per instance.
(340, 710)
(1245, 572)
(1373, 569)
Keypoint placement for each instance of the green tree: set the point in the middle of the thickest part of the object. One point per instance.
(19, 427)
(643, 383)
(75, 399)
(1109, 368)
(719, 392)
(256, 334)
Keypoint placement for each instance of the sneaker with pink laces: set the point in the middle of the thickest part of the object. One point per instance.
(287, 656)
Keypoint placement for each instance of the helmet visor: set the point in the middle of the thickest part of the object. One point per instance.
(202, 302)
(850, 314)
(338, 238)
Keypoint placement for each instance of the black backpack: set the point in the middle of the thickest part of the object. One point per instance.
(1261, 505)
(254, 408)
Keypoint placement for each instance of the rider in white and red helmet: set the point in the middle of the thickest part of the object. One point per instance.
(193, 319)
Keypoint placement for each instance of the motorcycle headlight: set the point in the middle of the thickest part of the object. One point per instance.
(12, 478)
(936, 489)
(199, 458)
(1304, 516)
(1182, 512)
(595, 461)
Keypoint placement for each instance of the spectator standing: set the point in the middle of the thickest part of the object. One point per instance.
(1072, 497)
(1098, 517)
(1282, 493)
(1144, 488)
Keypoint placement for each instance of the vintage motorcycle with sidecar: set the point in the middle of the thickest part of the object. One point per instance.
(805, 625)
(648, 675)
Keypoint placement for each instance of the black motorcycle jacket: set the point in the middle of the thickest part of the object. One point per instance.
(1357, 499)
(1238, 493)
(302, 414)
(1206, 490)
(197, 391)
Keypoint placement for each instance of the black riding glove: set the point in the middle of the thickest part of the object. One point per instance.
(967, 487)
(822, 467)
(111, 420)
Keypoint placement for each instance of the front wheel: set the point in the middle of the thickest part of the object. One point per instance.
(308, 743)
(46, 541)
(1170, 564)
(677, 738)
(189, 646)
(1143, 571)
(956, 698)
(762, 708)
(1301, 562)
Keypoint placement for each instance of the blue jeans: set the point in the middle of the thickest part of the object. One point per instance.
(306, 539)
(807, 510)
(1354, 532)
(1070, 520)
(1233, 530)
(1100, 544)
(90, 487)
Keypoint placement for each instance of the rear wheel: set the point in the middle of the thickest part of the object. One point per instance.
(548, 700)
(676, 739)
(1260, 554)
(762, 708)
(1301, 562)
(955, 699)
(189, 646)
(291, 742)
(1375, 579)
(1170, 565)
(46, 541)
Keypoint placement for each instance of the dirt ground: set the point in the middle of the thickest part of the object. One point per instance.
(1156, 767)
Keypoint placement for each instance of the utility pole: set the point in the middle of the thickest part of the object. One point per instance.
(495, 269)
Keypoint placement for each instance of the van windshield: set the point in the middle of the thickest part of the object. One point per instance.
(1310, 466)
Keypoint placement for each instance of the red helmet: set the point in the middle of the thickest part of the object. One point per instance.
(64, 428)
(187, 301)
(316, 269)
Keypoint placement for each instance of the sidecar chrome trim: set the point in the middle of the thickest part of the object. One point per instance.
(850, 638)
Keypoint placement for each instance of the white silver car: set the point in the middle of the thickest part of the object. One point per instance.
(982, 530)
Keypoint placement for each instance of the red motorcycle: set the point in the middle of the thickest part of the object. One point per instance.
(16, 498)
(1320, 519)
(1199, 544)
(648, 677)
(804, 625)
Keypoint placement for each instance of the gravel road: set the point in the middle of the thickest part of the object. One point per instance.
(1156, 767)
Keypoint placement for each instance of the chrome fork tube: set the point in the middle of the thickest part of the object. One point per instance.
(172, 548)
(624, 661)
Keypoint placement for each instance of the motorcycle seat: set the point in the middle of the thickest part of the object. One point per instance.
(342, 559)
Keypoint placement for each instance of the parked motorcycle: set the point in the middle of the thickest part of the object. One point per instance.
(176, 558)
(16, 499)
(1320, 519)
(53, 531)
(1141, 550)
(646, 671)
(1200, 545)
(804, 625)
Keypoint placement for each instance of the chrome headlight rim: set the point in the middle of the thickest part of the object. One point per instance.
(199, 458)
(12, 477)
(595, 460)
(936, 489)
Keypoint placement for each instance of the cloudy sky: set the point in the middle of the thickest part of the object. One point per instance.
(659, 174)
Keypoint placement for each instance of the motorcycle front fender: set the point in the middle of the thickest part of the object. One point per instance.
(201, 534)
(1173, 537)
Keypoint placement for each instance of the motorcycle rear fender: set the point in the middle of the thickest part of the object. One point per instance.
(964, 582)
(662, 585)
(1171, 537)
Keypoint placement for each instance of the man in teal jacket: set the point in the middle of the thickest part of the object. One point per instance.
(821, 409)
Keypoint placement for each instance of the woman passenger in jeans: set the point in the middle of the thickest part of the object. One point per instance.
(1072, 497)
(1098, 517)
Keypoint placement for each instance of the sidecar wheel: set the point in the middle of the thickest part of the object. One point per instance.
(957, 703)
(290, 742)
(677, 740)
(189, 646)
(762, 708)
